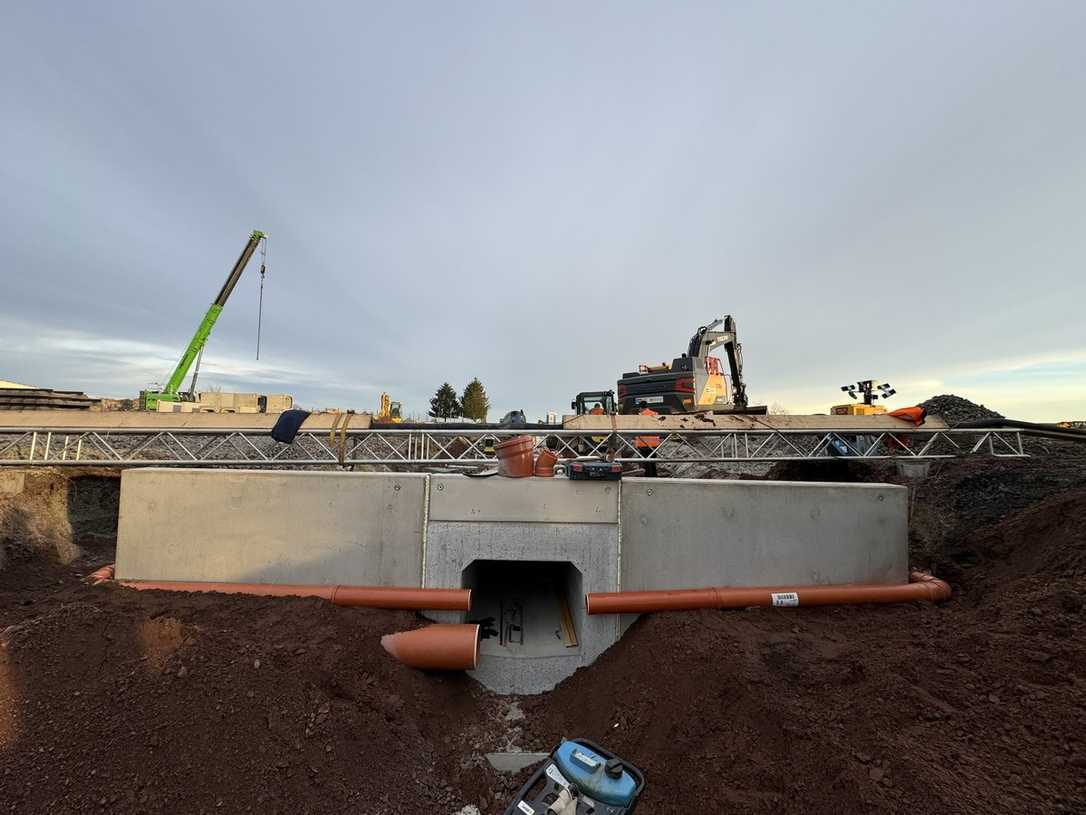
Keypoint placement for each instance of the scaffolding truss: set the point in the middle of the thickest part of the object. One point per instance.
(408, 449)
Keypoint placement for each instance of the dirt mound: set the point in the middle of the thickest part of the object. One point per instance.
(960, 709)
(955, 409)
(65, 514)
(154, 702)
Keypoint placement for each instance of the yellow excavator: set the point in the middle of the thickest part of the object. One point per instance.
(389, 412)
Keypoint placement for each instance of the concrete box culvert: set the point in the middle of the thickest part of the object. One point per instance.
(506, 536)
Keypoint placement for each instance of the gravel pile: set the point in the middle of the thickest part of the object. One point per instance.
(955, 409)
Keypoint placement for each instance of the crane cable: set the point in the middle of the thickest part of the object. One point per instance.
(260, 307)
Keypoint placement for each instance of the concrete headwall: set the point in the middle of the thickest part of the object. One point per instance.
(535, 520)
(271, 526)
(686, 533)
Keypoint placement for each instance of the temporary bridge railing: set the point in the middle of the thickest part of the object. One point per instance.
(400, 449)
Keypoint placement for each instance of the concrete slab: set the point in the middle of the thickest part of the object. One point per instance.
(687, 533)
(271, 526)
(514, 762)
(725, 422)
(538, 500)
(107, 419)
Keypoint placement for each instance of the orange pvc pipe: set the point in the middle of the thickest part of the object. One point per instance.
(921, 586)
(411, 599)
(442, 647)
(102, 575)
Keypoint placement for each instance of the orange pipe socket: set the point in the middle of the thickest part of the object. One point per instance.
(439, 647)
(515, 457)
(410, 599)
(921, 586)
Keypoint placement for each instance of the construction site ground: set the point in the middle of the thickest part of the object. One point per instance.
(113, 700)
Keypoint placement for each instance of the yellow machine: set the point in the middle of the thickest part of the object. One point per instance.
(857, 409)
(389, 411)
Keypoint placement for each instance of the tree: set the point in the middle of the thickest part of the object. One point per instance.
(445, 405)
(474, 403)
(777, 409)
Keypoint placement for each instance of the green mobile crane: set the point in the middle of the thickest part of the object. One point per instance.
(172, 392)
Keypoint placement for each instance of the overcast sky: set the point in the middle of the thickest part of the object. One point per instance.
(544, 195)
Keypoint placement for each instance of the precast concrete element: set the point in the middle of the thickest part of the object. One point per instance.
(685, 533)
(459, 498)
(527, 548)
(271, 527)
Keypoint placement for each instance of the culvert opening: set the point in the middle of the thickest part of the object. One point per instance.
(527, 608)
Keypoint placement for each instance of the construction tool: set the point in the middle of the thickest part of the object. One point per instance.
(580, 778)
(694, 382)
(593, 471)
(149, 399)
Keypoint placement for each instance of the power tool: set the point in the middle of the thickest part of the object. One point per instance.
(580, 778)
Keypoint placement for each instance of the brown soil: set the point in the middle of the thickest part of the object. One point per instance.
(119, 701)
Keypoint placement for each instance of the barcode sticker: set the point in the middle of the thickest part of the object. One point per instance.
(785, 598)
(527, 810)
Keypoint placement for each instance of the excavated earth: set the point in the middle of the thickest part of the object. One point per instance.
(113, 700)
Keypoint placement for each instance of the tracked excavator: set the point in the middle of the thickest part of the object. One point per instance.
(694, 382)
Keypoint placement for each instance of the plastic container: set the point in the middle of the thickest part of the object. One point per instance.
(515, 457)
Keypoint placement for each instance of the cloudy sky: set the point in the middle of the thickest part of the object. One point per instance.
(544, 195)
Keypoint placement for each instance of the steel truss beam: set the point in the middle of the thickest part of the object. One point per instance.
(129, 447)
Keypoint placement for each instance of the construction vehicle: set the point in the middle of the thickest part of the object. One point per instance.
(150, 399)
(871, 391)
(596, 403)
(694, 382)
(580, 778)
(389, 412)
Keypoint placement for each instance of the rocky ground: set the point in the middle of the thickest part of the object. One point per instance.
(119, 701)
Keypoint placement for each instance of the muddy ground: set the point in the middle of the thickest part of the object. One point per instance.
(118, 701)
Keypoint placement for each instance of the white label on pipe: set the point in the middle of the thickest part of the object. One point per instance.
(527, 810)
(785, 598)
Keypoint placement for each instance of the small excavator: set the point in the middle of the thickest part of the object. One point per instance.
(694, 382)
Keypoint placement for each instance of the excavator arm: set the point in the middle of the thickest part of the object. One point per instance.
(708, 338)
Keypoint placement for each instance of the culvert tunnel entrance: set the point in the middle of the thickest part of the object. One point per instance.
(526, 608)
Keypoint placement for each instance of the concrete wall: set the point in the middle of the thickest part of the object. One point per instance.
(680, 533)
(412, 529)
(271, 526)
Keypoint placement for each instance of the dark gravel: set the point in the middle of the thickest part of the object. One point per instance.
(955, 410)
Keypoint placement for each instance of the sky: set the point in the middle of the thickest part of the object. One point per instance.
(545, 195)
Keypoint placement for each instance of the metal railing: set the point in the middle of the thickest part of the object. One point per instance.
(199, 447)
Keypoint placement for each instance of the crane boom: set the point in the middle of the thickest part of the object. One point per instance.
(172, 392)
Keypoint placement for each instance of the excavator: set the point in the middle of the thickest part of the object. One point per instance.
(388, 411)
(149, 399)
(694, 382)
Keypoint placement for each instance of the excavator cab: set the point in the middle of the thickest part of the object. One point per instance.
(595, 403)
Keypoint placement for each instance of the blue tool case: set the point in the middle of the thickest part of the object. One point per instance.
(599, 781)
